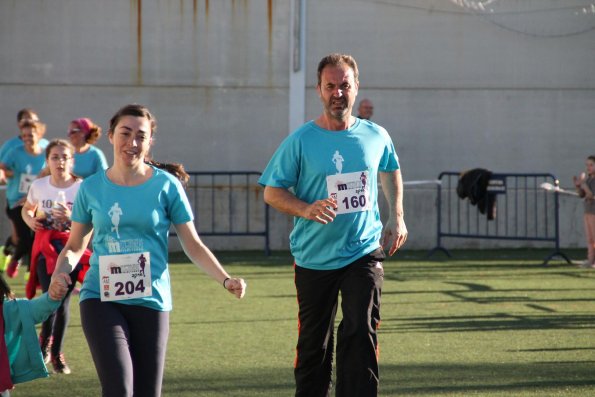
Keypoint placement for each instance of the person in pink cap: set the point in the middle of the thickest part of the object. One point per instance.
(88, 158)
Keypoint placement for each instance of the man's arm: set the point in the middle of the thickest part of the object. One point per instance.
(395, 231)
(321, 211)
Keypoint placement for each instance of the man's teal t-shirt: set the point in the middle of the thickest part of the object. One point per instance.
(141, 224)
(304, 161)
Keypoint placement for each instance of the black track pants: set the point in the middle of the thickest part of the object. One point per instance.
(360, 285)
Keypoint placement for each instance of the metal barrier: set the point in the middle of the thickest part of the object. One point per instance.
(228, 203)
(523, 211)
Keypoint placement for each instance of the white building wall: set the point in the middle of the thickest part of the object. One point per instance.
(455, 90)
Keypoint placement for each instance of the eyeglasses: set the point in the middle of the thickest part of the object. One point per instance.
(60, 158)
(73, 131)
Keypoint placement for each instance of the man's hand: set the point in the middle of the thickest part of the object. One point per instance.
(321, 211)
(394, 235)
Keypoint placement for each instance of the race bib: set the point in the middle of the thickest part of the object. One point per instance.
(126, 276)
(351, 191)
(25, 182)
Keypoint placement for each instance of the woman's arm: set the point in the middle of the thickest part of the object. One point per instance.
(80, 235)
(203, 258)
(28, 214)
(579, 184)
(588, 194)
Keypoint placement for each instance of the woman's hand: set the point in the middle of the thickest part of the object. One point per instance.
(59, 286)
(578, 181)
(34, 223)
(236, 286)
(61, 213)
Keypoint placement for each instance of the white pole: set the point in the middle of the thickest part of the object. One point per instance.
(297, 64)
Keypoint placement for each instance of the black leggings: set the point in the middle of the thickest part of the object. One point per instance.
(56, 324)
(128, 346)
(25, 235)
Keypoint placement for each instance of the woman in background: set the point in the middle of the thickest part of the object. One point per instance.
(88, 158)
(22, 166)
(585, 187)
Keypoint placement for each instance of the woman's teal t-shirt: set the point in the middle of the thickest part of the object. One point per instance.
(140, 224)
(89, 162)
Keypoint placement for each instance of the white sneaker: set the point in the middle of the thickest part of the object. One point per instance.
(586, 264)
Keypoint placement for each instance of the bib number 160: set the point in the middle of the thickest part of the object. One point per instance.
(354, 202)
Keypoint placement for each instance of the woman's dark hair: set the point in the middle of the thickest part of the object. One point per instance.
(58, 142)
(5, 291)
(137, 110)
(592, 158)
(55, 143)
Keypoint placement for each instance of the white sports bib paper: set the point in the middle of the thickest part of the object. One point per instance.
(351, 191)
(25, 182)
(126, 276)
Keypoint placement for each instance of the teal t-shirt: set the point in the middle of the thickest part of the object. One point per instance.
(89, 162)
(302, 164)
(16, 142)
(140, 224)
(25, 167)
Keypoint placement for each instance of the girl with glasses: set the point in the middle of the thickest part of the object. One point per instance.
(47, 212)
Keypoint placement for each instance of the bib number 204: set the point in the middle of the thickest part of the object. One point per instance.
(354, 202)
(128, 288)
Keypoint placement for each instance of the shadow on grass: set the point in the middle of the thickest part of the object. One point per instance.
(436, 379)
(527, 379)
(481, 323)
(240, 383)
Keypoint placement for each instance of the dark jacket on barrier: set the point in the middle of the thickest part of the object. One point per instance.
(473, 184)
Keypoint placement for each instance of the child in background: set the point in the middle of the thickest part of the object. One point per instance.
(47, 212)
(585, 187)
(20, 355)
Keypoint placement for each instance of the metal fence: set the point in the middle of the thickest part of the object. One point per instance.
(522, 211)
(228, 203)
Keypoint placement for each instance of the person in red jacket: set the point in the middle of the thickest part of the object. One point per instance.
(47, 212)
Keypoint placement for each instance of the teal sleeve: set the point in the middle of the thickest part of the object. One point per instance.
(42, 306)
(102, 162)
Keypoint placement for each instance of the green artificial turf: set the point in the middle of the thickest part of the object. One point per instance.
(482, 323)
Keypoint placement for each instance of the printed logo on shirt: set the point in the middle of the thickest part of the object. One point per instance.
(115, 212)
(338, 161)
(114, 244)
